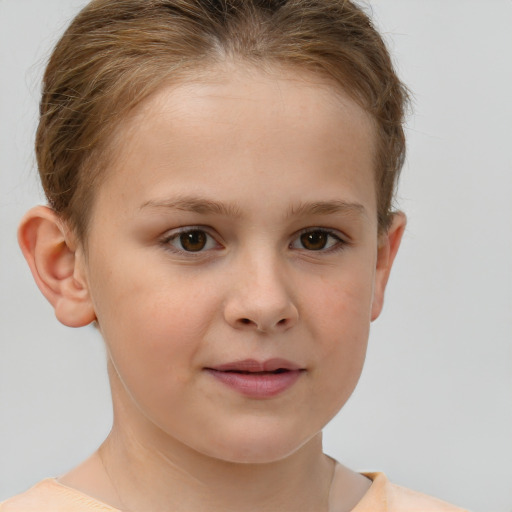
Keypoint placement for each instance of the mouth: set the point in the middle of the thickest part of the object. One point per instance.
(274, 372)
(255, 379)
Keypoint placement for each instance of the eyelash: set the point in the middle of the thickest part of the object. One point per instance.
(338, 245)
(167, 241)
(337, 242)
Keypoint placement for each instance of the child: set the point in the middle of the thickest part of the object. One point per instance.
(219, 177)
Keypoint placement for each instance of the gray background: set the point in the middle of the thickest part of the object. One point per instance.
(434, 405)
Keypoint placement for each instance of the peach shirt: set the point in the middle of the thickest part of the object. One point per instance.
(51, 496)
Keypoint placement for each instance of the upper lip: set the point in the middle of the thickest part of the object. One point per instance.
(254, 366)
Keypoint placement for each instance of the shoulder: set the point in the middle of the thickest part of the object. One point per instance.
(387, 497)
(51, 496)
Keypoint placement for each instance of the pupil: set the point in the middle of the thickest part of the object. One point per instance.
(193, 240)
(314, 241)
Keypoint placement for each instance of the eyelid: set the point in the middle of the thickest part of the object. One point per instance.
(342, 240)
(173, 234)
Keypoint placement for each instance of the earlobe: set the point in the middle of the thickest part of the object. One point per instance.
(389, 243)
(55, 263)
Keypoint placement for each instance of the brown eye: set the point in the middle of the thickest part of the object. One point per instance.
(318, 239)
(193, 241)
(189, 241)
(314, 240)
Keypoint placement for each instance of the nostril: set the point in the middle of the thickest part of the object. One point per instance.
(282, 323)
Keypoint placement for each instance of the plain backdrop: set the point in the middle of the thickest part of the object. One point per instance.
(434, 405)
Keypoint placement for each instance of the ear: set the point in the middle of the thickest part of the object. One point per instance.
(389, 242)
(57, 265)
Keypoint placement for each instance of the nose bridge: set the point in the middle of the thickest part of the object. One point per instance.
(260, 298)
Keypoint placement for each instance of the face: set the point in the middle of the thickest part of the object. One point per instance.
(232, 259)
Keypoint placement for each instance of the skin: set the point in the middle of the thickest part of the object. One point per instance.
(252, 160)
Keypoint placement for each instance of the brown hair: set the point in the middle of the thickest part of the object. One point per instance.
(117, 52)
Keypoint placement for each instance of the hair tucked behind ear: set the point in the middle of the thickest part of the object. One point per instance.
(117, 52)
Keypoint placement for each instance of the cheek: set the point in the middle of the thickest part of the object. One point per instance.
(342, 334)
(339, 306)
(340, 323)
(153, 326)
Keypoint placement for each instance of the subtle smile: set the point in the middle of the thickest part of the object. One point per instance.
(258, 379)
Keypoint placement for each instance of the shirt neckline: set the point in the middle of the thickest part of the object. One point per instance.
(378, 481)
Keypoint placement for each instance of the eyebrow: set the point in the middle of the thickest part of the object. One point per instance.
(205, 206)
(196, 205)
(327, 208)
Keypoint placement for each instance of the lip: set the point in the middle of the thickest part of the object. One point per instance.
(258, 379)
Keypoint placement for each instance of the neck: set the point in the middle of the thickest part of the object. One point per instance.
(149, 476)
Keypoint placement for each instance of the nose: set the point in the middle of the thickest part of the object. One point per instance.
(259, 299)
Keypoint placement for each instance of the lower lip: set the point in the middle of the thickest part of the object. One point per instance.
(258, 385)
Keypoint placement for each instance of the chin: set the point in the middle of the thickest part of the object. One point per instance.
(258, 446)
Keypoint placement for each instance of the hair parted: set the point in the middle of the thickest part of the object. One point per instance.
(115, 53)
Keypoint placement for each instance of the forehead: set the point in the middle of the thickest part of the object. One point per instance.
(271, 91)
(244, 123)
